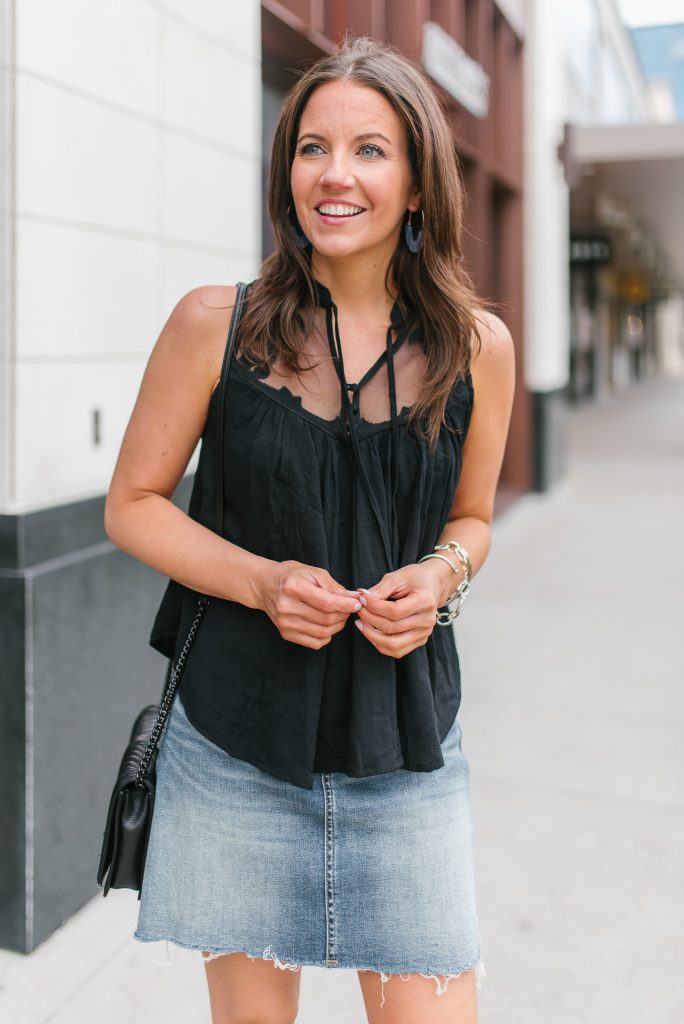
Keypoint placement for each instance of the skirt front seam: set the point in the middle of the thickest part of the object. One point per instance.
(329, 825)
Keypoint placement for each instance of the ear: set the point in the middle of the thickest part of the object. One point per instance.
(415, 202)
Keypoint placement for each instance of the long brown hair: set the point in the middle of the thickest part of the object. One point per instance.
(433, 288)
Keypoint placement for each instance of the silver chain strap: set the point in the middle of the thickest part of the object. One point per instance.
(169, 695)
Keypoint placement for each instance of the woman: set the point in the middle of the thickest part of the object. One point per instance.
(313, 798)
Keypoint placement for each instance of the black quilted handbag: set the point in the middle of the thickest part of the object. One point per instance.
(129, 818)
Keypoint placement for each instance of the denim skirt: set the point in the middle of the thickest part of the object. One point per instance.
(373, 874)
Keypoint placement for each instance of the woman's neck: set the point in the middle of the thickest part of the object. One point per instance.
(358, 289)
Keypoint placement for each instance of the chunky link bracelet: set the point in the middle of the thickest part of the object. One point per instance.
(463, 589)
(460, 552)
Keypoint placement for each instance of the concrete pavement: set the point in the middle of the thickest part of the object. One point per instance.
(572, 714)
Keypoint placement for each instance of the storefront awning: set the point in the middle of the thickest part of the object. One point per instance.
(641, 168)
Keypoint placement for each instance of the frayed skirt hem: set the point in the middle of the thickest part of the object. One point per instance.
(404, 972)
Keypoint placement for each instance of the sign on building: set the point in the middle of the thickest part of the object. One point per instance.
(450, 66)
(590, 249)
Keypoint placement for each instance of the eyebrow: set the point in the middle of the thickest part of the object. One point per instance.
(358, 138)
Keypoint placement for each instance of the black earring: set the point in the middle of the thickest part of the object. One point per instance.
(414, 239)
(300, 238)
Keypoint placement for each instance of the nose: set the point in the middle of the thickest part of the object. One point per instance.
(337, 173)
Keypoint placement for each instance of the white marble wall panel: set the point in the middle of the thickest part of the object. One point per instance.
(185, 268)
(138, 170)
(7, 445)
(57, 456)
(6, 133)
(81, 161)
(207, 92)
(6, 253)
(6, 265)
(6, 175)
(6, 32)
(237, 24)
(109, 49)
(209, 196)
(85, 293)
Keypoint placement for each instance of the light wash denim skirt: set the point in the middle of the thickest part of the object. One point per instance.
(372, 874)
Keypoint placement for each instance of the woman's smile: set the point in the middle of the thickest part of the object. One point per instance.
(338, 213)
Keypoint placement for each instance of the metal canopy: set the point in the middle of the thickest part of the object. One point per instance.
(641, 167)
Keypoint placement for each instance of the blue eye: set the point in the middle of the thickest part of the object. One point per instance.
(374, 150)
(367, 149)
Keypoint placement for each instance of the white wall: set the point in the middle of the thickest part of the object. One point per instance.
(670, 335)
(546, 204)
(6, 248)
(580, 68)
(136, 153)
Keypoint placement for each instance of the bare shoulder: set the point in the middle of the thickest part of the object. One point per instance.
(493, 362)
(198, 326)
(495, 337)
(170, 411)
(203, 309)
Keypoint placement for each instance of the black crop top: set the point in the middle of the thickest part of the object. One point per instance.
(358, 496)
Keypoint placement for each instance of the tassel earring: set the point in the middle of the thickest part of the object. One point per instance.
(300, 238)
(414, 239)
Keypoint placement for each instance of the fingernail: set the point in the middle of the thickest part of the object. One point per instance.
(359, 624)
(364, 590)
(363, 601)
(358, 606)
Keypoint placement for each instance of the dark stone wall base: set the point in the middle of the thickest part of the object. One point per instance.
(75, 616)
(550, 437)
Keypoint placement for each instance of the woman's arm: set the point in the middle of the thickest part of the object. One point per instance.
(399, 625)
(470, 518)
(166, 423)
(168, 418)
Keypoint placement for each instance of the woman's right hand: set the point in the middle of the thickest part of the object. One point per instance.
(306, 604)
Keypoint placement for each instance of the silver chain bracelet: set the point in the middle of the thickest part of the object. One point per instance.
(463, 589)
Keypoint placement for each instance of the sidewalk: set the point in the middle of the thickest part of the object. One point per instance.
(572, 657)
(573, 713)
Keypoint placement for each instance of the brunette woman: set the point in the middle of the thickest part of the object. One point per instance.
(313, 800)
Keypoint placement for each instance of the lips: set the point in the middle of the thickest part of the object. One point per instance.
(339, 210)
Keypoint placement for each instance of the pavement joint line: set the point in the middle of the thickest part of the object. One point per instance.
(83, 984)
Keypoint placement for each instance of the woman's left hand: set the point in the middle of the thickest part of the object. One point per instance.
(400, 611)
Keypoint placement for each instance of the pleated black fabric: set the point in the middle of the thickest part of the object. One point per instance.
(358, 499)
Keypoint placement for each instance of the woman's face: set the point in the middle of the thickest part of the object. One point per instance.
(351, 179)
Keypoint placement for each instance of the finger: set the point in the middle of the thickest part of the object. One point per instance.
(298, 624)
(391, 584)
(312, 593)
(288, 606)
(397, 645)
(323, 579)
(304, 640)
(401, 607)
(421, 620)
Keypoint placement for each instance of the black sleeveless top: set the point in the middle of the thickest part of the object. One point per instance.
(359, 497)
